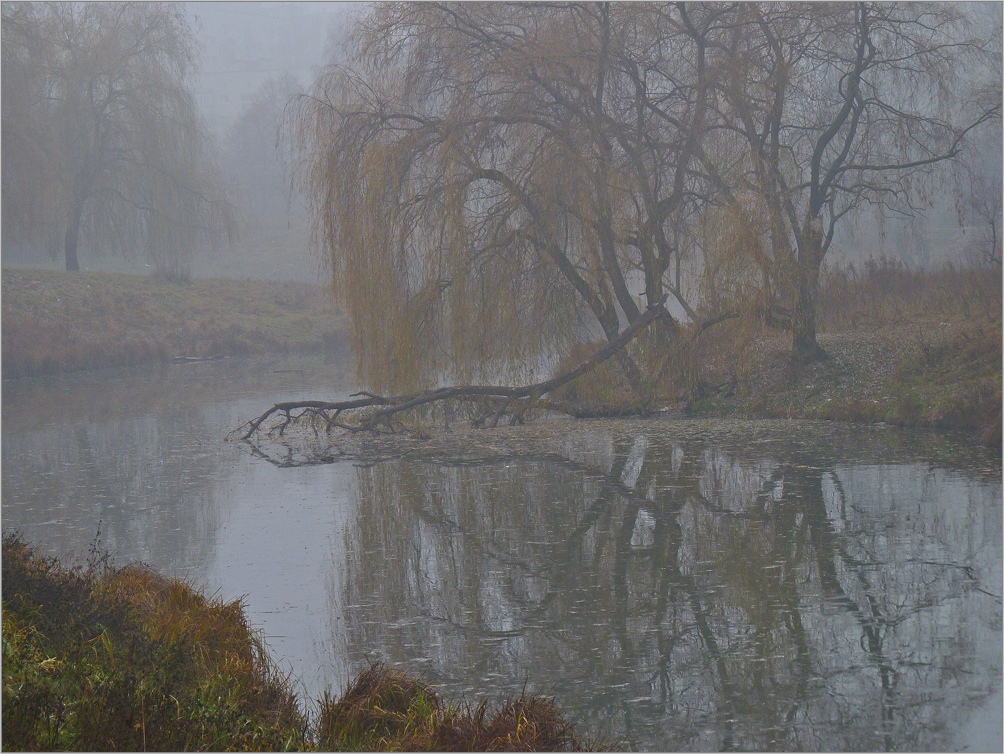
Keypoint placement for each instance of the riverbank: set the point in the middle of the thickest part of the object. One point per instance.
(913, 349)
(55, 321)
(99, 658)
(904, 347)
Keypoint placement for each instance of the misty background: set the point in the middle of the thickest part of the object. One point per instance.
(253, 57)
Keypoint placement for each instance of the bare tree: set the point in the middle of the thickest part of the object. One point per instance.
(838, 107)
(123, 139)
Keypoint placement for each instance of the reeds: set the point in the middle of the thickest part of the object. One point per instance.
(384, 710)
(99, 658)
(883, 292)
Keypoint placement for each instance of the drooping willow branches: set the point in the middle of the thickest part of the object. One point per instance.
(488, 178)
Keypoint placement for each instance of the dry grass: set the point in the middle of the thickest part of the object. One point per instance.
(56, 321)
(886, 293)
(105, 659)
(906, 347)
(384, 710)
(915, 348)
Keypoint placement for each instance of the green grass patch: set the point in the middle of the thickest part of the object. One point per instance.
(103, 659)
(56, 321)
(99, 658)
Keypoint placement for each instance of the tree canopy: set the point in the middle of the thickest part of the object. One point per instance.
(101, 138)
(490, 179)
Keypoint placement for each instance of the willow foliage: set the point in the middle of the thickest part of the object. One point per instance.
(486, 177)
(481, 184)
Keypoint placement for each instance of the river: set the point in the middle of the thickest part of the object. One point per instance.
(676, 585)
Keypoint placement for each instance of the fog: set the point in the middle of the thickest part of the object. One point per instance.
(253, 58)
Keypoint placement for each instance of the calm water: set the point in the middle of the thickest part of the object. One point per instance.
(677, 586)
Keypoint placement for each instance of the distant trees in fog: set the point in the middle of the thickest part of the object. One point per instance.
(485, 176)
(101, 139)
(257, 161)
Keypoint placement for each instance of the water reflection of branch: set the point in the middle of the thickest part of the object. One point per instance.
(290, 458)
(827, 550)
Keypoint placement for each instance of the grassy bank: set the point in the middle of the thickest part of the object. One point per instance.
(103, 659)
(56, 321)
(905, 347)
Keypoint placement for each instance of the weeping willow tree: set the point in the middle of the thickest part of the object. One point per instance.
(489, 179)
(106, 142)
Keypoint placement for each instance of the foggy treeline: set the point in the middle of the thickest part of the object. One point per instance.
(674, 148)
(102, 144)
(115, 156)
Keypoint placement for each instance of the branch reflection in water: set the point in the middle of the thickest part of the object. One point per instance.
(684, 595)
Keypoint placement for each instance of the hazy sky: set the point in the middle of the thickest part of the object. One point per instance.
(245, 43)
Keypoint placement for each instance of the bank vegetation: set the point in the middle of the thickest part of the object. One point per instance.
(495, 185)
(57, 322)
(906, 347)
(99, 658)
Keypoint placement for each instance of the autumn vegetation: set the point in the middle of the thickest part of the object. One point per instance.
(906, 347)
(488, 181)
(56, 322)
(99, 658)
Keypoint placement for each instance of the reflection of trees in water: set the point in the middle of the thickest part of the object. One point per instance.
(684, 597)
(122, 446)
(140, 477)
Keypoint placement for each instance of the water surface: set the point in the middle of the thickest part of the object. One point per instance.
(677, 586)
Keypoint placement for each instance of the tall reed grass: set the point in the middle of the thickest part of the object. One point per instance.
(882, 292)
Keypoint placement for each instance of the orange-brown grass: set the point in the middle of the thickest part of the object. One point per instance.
(385, 710)
(885, 292)
(106, 659)
(102, 659)
(59, 321)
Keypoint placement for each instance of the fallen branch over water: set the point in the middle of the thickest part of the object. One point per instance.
(368, 412)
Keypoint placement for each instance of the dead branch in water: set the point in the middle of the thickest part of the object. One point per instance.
(376, 412)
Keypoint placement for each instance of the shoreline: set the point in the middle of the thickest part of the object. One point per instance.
(56, 322)
(927, 360)
(104, 658)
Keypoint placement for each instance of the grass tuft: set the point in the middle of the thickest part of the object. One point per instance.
(384, 710)
(100, 658)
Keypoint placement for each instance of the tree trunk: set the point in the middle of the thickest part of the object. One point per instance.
(804, 347)
(72, 238)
